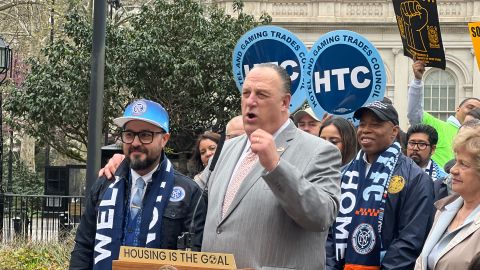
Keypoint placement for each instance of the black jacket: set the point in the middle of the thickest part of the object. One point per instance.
(176, 218)
(440, 189)
(407, 219)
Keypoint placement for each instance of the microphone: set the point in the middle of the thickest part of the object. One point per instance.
(184, 241)
(216, 155)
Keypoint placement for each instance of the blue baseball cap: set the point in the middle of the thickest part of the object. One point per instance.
(145, 110)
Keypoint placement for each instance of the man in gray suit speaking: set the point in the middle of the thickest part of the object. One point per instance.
(275, 190)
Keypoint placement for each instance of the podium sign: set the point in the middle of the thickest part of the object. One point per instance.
(173, 259)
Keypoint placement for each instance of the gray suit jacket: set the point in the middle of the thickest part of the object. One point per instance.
(278, 220)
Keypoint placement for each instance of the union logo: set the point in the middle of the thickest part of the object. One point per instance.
(397, 183)
(433, 37)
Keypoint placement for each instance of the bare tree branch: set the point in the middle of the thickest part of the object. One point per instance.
(18, 3)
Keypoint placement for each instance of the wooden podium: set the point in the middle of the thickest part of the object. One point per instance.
(134, 258)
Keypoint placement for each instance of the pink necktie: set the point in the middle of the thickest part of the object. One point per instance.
(243, 169)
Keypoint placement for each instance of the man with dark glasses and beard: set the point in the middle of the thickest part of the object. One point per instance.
(421, 144)
(148, 204)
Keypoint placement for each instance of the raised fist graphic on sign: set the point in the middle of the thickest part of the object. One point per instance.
(415, 18)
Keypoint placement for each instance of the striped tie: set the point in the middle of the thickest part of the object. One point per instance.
(137, 198)
(237, 179)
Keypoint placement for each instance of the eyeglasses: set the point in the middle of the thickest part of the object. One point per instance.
(420, 145)
(145, 137)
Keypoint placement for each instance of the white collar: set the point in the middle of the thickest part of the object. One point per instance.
(428, 166)
(455, 205)
(452, 119)
(365, 159)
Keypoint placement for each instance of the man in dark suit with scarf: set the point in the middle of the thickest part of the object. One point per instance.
(148, 204)
(386, 200)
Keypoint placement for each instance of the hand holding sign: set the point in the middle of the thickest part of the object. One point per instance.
(418, 69)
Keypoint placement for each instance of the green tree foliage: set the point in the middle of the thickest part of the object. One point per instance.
(24, 181)
(175, 52)
(52, 104)
(179, 53)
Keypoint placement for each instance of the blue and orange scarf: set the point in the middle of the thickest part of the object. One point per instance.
(359, 223)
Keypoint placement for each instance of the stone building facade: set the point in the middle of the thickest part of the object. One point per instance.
(375, 20)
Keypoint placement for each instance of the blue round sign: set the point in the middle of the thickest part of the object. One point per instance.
(272, 44)
(344, 71)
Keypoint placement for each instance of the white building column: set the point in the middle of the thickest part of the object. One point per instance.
(400, 71)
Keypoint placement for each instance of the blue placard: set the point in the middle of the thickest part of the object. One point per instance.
(344, 71)
(272, 44)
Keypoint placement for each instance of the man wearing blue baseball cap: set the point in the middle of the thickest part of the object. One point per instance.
(148, 204)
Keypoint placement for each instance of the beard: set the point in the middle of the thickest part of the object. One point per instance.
(137, 163)
(418, 160)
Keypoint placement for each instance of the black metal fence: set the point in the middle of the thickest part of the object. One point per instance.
(38, 217)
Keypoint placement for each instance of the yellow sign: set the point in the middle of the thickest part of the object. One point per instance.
(474, 29)
(177, 257)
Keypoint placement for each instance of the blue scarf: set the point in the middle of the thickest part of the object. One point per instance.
(434, 171)
(113, 212)
(359, 223)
